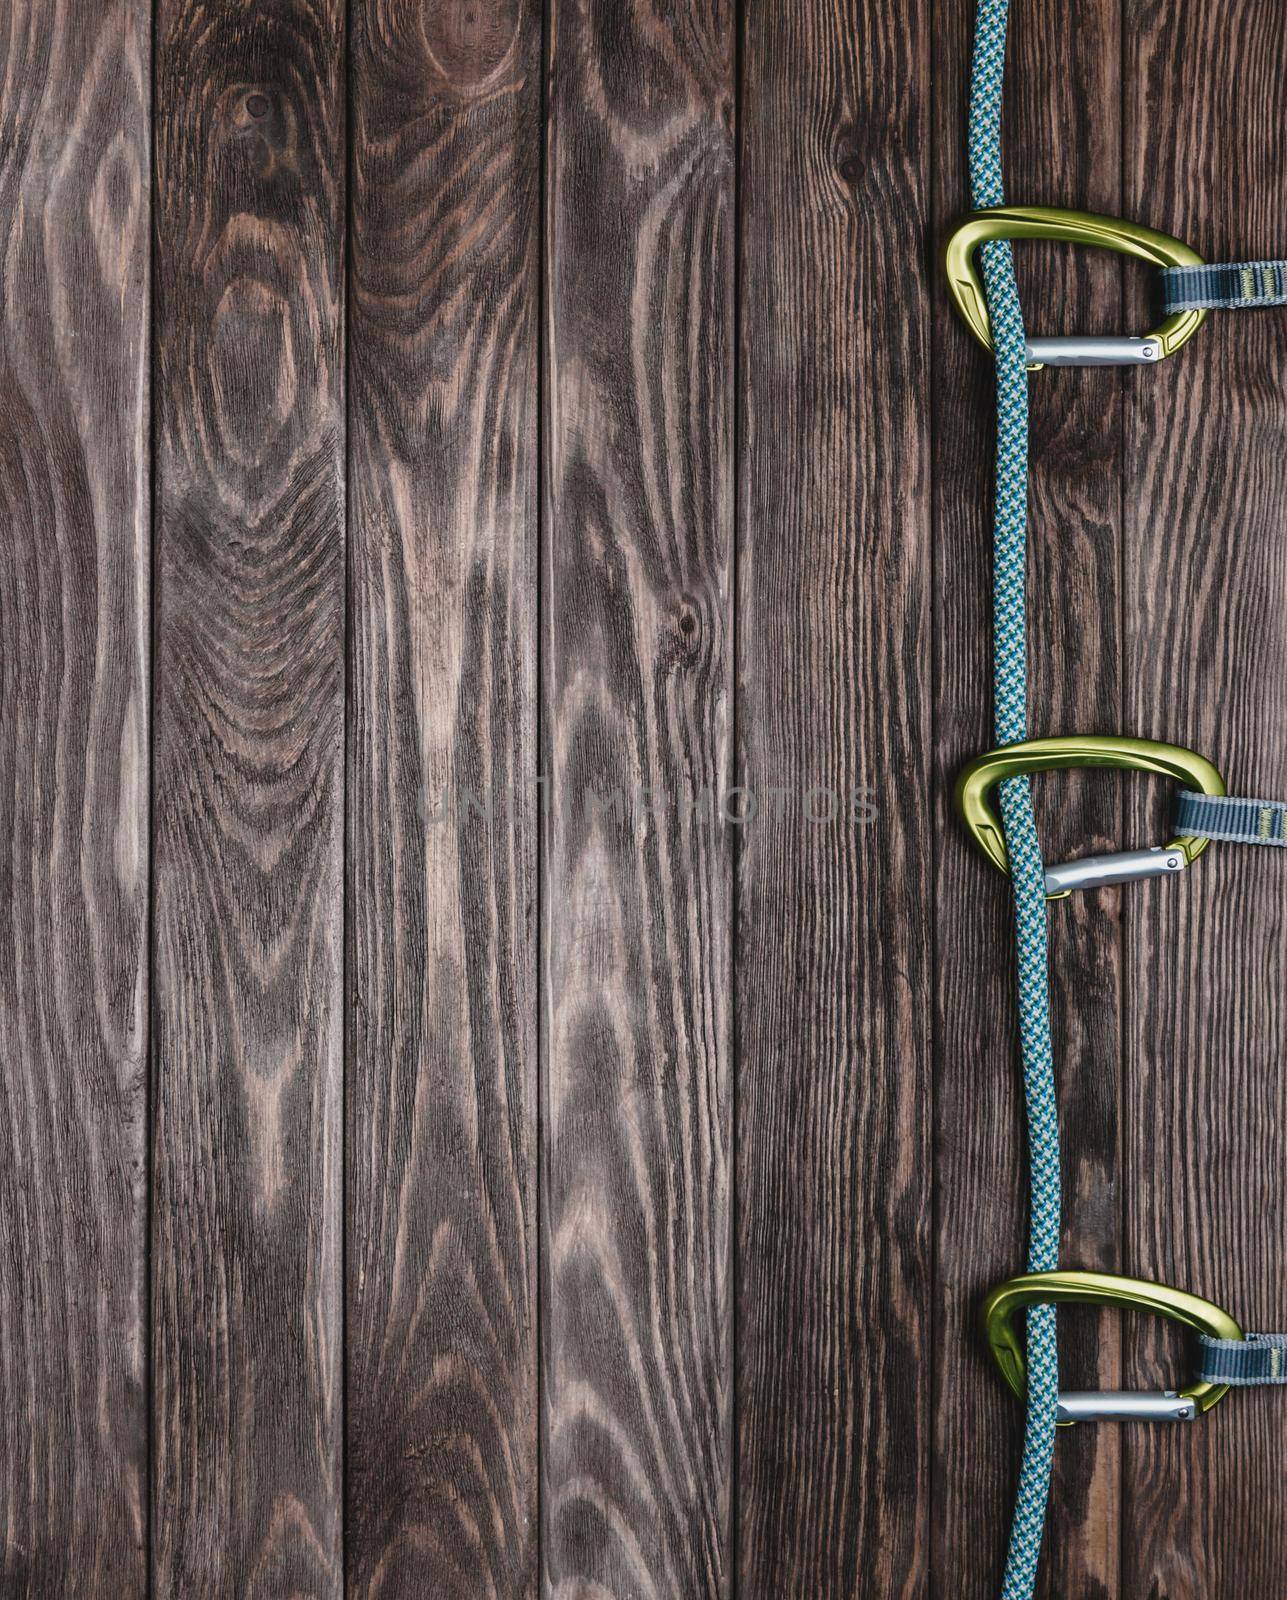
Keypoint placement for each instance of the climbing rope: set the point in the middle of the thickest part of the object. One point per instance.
(991, 309)
(1010, 671)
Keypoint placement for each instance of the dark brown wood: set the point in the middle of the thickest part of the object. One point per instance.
(249, 738)
(1206, 657)
(441, 1091)
(74, 558)
(636, 887)
(550, 884)
(1062, 147)
(833, 980)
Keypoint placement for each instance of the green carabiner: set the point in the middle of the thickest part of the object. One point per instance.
(1074, 227)
(974, 787)
(1106, 1289)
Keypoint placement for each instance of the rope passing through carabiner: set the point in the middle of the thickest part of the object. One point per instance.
(1010, 691)
(1206, 811)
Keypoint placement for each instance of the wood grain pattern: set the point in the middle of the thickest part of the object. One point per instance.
(551, 884)
(442, 1380)
(636, 872)
(74, 560)
(1206, 1039)
(1062, 147)
(833, 980)
(249, 708)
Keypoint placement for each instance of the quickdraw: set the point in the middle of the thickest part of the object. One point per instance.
(991, 309)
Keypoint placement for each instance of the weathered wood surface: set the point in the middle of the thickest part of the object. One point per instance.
(441, 1086)
(566, 1178)
(833, 980)
(249, 744)
(636, 887)
(1205, 1109)
(74, 558)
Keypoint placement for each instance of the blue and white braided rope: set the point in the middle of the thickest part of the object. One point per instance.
(1010, 639)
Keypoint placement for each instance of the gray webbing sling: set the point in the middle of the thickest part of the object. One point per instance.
(1225, 286)
(1260, 1358)
(1230, 818)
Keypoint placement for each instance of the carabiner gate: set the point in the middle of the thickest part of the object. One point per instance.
(1106, 1289)
(976, 782)
(1076, 227)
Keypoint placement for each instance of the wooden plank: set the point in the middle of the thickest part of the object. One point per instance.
(1207, 667)
(249, 798)
(834, 983)
(636, 890)
(74, 562)
(1062, 147)
(442, 1380)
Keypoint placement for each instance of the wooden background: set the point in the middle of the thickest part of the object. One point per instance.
(451, 1144)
